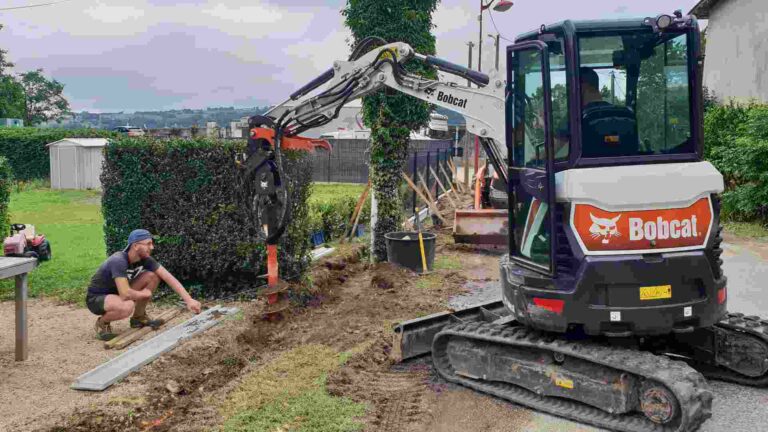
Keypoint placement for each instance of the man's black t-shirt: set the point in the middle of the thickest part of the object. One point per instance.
(103, 282)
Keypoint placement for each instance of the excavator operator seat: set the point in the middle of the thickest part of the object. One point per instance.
(609, 130)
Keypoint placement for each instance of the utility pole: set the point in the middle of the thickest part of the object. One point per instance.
(469, 61)
(480, 40)
(496, 44)
(613, 88)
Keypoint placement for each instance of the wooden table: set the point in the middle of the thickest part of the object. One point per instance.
(19, 267)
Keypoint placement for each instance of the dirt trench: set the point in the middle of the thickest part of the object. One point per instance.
(352, 303)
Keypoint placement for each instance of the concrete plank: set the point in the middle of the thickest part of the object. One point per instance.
(117, 368)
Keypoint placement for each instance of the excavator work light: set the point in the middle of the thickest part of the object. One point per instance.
(663, 21)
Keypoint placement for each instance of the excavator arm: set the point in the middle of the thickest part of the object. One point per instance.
(363, 74)
(482, 107)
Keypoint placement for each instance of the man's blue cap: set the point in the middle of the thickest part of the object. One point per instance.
(137, 235)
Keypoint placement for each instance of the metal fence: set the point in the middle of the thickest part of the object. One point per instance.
(348, 163)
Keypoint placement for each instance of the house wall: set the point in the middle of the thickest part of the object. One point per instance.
(737, 50)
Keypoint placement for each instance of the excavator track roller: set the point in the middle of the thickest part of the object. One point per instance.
(658, 403)
(604, 385)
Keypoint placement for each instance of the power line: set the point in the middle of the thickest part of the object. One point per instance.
(490, 12)
(34, 5)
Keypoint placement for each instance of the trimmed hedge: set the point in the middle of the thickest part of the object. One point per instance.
(6, 180)
(190, 194)
(26, 152)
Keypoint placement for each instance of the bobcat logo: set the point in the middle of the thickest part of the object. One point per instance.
(430, 91)
(605, 228)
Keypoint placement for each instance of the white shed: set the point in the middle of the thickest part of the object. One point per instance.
(76, 163)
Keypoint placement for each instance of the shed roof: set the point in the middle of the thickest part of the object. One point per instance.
(703, 7)
(80, 142)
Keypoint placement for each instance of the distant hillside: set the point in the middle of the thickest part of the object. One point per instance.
(158, 119)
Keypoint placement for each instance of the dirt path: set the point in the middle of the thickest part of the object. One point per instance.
(61, 348)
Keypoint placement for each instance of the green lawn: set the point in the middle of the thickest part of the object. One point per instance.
(72, 223)
(322, 192)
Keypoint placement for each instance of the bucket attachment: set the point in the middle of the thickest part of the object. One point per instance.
(484, 226)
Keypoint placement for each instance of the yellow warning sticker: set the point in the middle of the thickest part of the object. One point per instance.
(387, 55)
(564, 382)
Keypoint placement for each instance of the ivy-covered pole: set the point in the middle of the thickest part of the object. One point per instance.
(392, 115)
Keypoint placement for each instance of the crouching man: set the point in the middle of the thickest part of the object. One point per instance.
(123, 286)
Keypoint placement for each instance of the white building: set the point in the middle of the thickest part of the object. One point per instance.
(736, 56)
(76, 163)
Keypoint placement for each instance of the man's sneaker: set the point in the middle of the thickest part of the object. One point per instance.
(103, 330)
(144, 321)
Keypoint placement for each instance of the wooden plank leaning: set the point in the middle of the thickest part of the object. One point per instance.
(447, 192)
(455, 192)
(356, 213)
(421, 195)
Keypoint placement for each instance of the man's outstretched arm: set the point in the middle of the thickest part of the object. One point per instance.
(192, 304)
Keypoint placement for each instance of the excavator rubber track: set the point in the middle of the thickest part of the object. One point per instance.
(735, 332)
(687, 386)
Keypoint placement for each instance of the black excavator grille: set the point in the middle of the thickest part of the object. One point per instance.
(714, 254)
(566, 262)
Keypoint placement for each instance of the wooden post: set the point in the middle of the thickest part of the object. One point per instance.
(356, 213)
(429, 194)
(426, 200)
(21, 317)
(455, 192)
(466, 161)
(445, 191)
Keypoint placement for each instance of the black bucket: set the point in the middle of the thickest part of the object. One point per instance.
(403, 249)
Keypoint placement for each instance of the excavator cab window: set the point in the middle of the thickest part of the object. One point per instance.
(635, 94)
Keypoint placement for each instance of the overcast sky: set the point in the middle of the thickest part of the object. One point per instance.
(128, 55)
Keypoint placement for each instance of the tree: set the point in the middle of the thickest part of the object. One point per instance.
(4, 63)
(11, 92)
(44, 99)
(11, 98)
(391, 115)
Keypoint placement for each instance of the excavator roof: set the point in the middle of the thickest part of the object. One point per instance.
(588, 25)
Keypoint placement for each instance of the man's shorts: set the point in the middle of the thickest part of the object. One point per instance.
(95, 303)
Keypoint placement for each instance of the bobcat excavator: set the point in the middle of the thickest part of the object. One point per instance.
(613, 305)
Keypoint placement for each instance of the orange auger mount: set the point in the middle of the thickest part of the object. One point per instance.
(290, 142)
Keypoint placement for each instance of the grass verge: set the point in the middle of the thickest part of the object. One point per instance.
(289, 395)
(746, 229)
(72, 223)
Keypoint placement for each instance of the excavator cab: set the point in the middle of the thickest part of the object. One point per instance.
(613, 215)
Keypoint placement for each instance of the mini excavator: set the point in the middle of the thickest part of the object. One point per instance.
(613, 299)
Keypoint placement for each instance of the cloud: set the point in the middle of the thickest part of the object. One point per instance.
(158, 54)
(113, 14)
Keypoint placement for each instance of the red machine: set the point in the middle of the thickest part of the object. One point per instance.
(23, 242)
